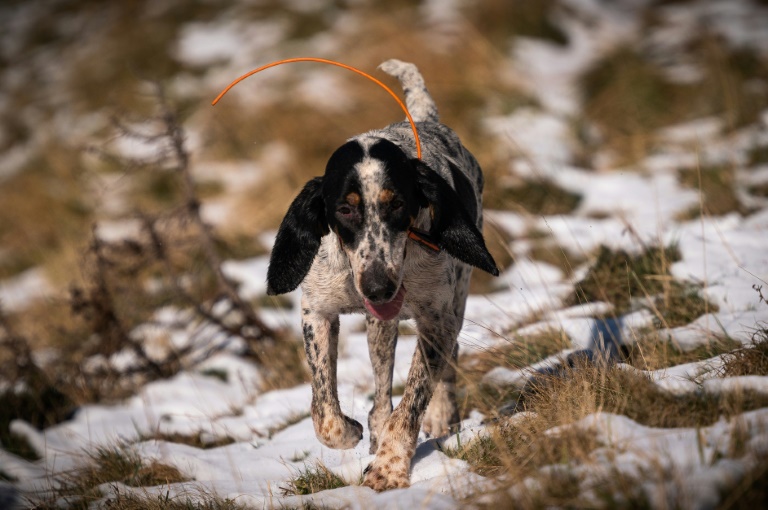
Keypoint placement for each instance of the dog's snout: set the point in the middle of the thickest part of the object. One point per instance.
(376, 285)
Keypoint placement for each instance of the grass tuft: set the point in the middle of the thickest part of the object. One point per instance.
(716, 184)
(545, 250)
(119, 464)
(520, 353)
(752, 360)
(679, 304)
(651, 352)
(540, 197)
(585, 388)
(617, 277)
(312, 480)
(146, 501)
(534, 446)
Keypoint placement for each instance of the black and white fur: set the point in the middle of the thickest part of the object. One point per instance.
(345, 240)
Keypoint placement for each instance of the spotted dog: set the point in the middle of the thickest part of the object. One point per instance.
(391, 236)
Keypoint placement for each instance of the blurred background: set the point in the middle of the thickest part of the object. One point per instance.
(87, 154)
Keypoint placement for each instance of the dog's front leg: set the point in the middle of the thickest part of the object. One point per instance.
(382, 341)
(389, 470)
(321, 338)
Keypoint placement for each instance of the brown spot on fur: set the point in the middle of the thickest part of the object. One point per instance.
(386, 195)
(395, 459)
(353, 199)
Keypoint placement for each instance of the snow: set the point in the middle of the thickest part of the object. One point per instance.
(21, 290)
(203, 44)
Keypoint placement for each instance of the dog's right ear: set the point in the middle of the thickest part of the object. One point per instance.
(298, 239)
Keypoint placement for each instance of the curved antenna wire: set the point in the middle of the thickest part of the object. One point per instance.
(337, 64)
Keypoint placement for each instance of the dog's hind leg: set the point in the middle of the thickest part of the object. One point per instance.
(442, 415)
(420, 104)
(321, 339)
(382, 341)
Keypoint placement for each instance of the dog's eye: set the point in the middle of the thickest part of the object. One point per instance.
(397, 205)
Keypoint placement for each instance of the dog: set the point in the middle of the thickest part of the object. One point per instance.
(394, 237)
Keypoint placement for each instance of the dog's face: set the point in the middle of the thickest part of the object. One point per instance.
(370, 195)
(371, 199)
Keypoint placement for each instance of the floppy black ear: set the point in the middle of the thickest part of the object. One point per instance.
(298, 240)
(452, 226)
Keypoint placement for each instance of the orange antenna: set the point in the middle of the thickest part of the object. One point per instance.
(338, 64)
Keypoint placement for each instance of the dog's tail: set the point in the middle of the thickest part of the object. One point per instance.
(420, 104)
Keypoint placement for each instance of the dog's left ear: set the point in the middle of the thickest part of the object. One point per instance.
(452, 226)
(298, 240)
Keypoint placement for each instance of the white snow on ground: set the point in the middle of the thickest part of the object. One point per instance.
(273, 438)
(19, 291)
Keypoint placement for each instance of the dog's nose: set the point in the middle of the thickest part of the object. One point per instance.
(376, 286)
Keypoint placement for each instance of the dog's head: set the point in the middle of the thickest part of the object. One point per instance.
(369, 197)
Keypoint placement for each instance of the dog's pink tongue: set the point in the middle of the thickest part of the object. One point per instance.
(387, 311)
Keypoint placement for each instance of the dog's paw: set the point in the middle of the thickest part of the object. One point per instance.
(383, 474)
(442, 415)
(339, 432)
(389, 470)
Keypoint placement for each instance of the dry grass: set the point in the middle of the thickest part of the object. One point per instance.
(313, 479)
(196, 499)
(80, 488)
(751, 492)
(752, 360)
(45, 214)
(616, 276)
(717, 187)
(642, 280)
(520, 447)
(122, 465)
(542, 197)
(202, 501)
(652, 352)
(285, 365)
(518, 353)
(499, 19)
(545, 250)
(629, 97)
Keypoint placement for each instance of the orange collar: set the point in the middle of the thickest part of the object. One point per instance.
(424, 239)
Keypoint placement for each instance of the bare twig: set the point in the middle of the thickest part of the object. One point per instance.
(174, 132)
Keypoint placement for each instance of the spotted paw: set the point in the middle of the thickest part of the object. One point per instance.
(340, 432)
(381, 476)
